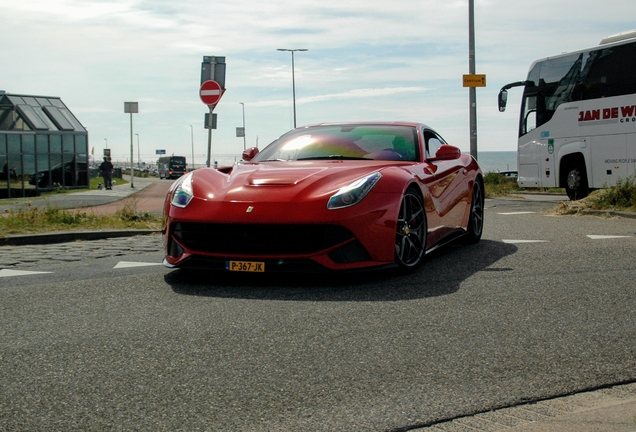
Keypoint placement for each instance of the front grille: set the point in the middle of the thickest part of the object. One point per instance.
(259, 239)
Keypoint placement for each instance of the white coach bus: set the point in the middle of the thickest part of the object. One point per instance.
(577, 128)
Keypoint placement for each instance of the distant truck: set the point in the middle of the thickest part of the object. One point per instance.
(171, 167)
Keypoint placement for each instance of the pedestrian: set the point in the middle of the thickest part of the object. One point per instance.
(106, 171)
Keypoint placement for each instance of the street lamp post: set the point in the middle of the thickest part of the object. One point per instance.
(192, 141)
(138, 153)
(244, 142)
(292, 51)
(472, 91)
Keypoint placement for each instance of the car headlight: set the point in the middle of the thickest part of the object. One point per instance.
(182, 194)
(353, 193)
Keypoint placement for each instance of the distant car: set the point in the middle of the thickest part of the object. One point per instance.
(342, 196)
(510, 173)
(68, 174)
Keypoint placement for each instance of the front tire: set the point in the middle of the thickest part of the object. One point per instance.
(411, 231)
(576, 183)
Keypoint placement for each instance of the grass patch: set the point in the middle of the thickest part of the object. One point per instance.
(36, 220)
(621, 197)
(498, 185)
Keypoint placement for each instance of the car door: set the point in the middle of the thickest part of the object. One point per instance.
(447, 187)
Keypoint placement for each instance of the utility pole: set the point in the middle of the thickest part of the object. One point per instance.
(472, 98)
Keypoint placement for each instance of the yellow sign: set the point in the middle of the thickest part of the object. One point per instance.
(474, 80)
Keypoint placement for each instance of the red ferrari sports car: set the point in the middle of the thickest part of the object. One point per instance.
(338, 196)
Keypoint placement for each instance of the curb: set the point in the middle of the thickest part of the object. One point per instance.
(70, 236)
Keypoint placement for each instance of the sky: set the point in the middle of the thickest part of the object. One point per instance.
(366, 60)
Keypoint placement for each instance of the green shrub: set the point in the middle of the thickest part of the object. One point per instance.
(621, 196)
(497, 184)
(495, 178)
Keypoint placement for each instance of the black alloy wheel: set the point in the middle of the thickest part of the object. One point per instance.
(476, 217)
(411, 233)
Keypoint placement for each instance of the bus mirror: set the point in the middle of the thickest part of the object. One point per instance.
(503, 99)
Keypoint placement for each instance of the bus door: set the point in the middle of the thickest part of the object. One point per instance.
(528, 156)
(537, 163)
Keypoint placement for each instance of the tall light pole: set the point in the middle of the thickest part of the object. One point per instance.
(292, 51)
(138, 153)
(244, 142)
(192, 141)
(472, 95)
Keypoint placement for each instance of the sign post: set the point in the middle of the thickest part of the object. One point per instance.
(472, 91)
(210, 94)
(132, 108)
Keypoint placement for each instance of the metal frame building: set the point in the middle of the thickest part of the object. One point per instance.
(43, 146)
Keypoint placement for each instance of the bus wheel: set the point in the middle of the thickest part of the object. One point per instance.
(576, 183)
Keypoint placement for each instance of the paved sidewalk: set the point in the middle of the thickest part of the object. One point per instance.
(147, 196)
(102, 201)
(611, 409)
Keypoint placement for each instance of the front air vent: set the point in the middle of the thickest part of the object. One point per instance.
(259, 239)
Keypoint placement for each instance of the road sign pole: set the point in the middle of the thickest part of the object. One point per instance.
(132, 174)
(207, 163)
(210, 93)
(472, 91)
(132, 108)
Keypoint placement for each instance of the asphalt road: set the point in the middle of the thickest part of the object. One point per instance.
(541, 307)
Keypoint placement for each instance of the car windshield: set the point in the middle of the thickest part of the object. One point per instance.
(364, 142)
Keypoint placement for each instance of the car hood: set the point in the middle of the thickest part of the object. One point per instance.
(281, 181)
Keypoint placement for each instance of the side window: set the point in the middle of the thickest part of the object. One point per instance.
(433, 143)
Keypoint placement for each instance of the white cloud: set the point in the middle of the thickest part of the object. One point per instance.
(352, 94)
(366, 60)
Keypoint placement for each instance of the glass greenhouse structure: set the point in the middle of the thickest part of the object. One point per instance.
(43, 146)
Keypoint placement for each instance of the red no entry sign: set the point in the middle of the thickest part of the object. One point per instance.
(210, 92)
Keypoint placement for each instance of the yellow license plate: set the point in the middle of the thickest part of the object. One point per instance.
(245, 266)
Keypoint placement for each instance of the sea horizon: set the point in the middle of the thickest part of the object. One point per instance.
(496, 161)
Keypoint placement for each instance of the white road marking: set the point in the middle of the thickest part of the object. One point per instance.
(604, 237)
(9, 273)
(523, 241)
(128, 264)
(516, 213)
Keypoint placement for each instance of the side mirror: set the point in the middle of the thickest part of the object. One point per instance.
(249, 154)
(447, 152)
(503, 99)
